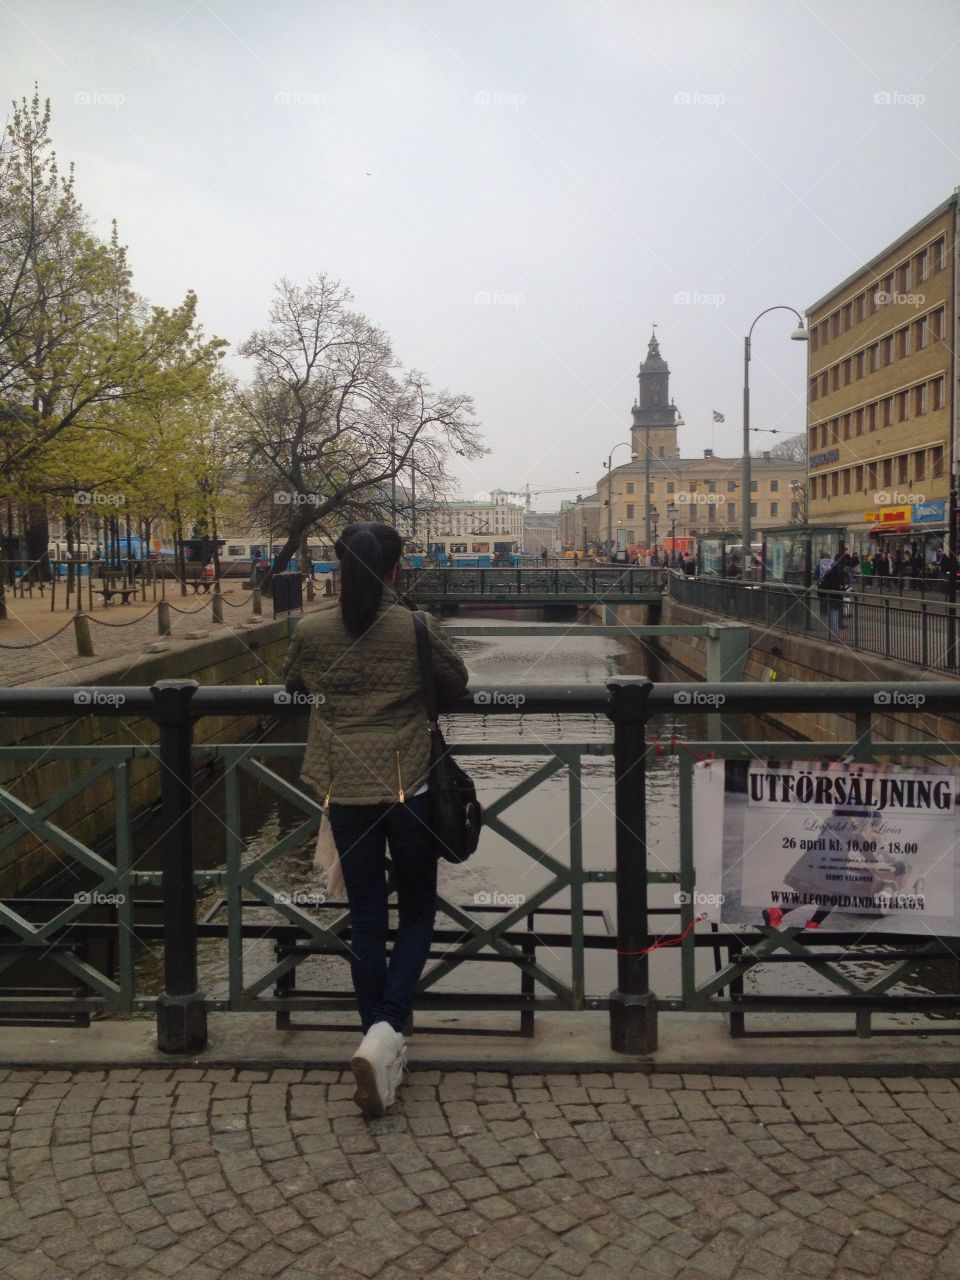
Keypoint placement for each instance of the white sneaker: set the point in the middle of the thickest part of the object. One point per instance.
(377, 1068)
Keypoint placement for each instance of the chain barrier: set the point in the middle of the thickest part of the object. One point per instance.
(177, 609)
(239, 604)
(35, 643)
(132, 623)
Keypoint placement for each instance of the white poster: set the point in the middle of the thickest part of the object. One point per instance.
(841, 845)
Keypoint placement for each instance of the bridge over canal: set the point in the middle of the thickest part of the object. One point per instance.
(536, 588)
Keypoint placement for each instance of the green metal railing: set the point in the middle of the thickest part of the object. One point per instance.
(63, 932)
(605, 584)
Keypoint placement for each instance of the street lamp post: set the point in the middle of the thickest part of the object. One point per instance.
(654, 517)
(622, 444)
(800, 334)
(672, 517)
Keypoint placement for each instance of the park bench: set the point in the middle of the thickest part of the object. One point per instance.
(109, 592)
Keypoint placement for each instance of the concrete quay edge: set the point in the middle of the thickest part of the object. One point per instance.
(563, 1043)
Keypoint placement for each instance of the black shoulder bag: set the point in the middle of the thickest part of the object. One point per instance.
(455, 813)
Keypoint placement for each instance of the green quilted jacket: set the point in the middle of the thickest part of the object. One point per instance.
(368, 741)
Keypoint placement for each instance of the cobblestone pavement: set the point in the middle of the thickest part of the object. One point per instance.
(207, 1173)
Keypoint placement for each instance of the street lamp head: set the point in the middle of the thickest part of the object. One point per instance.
(801, 334)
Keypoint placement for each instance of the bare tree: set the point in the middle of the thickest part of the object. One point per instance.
(332, 421)
(792, 449)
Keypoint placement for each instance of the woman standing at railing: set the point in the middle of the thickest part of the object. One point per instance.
(368, 754)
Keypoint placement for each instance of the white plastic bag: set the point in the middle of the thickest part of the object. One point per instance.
(326, 858)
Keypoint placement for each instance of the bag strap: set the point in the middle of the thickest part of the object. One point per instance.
(426, 666)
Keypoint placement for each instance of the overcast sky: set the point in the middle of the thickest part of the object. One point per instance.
(515, 190)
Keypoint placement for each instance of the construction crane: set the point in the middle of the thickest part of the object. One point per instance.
(528, 493)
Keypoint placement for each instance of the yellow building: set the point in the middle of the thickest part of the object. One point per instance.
(688, 497)
(882, 389)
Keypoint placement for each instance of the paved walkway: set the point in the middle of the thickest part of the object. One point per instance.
(202, 1173)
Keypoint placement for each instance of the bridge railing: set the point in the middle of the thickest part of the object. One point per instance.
(921, 633)
(169, 923)
(597, 581)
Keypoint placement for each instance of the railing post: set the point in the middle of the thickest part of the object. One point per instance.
(163, 618)
(81, 628)
(257, 602)
(633, 1006)
(181, 1009)
(217, 602)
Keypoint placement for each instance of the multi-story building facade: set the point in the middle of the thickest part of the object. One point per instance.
(493, 519)
(688, 497)
(882, 388)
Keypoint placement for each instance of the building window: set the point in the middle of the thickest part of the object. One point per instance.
(887, 472)
(650, 487)
(693, 514)
(903, 342)
(731, 511)
(753, 508)
(872, 475)
(823, 383)
(815, 338)
(847, 316)
(834, 483)
(858, 422)
(938, 254)
(903, 277)
(858, 304)
(903, 407)
(835, 325)
(936, 394)
(670, 486)
(631, 536)
(711, 486)
(886, 410)
(937, 324)
(858, 365)
(629, 486)
(731, 486)
(814, 384)
(753, 486)
(846, 426)
(871, 417)
(835, 378)
(902, 469)
(920, 400)
(847, 372)
(886, 350)
(919, 465)
(858, 479)
(835, 430)
(920, 267)
(936, 461)
(774, 508)
(630, 506)
(873, 358)
(660, 452)
(921, 334)
(774, 486)
(846, 480)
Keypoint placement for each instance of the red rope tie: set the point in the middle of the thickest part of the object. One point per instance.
(658, 942)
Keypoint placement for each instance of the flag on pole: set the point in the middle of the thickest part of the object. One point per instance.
(718, 417)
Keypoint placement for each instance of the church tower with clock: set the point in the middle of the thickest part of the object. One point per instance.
(654, 413)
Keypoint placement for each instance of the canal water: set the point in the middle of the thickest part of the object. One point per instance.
(500, 875)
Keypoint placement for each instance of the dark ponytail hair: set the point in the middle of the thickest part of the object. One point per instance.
(367, 552)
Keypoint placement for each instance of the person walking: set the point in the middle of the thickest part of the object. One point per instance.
(368, 755)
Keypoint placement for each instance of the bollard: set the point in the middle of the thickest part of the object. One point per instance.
(163, 618)
(257, 602)
(81, 628)
(633, 1006)
(311, 591)
(181, 1008)
(217, 602)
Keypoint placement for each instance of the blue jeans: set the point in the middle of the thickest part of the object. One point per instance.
(362, 832)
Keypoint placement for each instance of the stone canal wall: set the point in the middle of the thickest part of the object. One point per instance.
(778, 655)
(240, 655)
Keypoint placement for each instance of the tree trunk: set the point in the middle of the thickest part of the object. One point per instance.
(38, 540)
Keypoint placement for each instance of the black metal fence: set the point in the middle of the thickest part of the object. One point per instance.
(921, 633)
